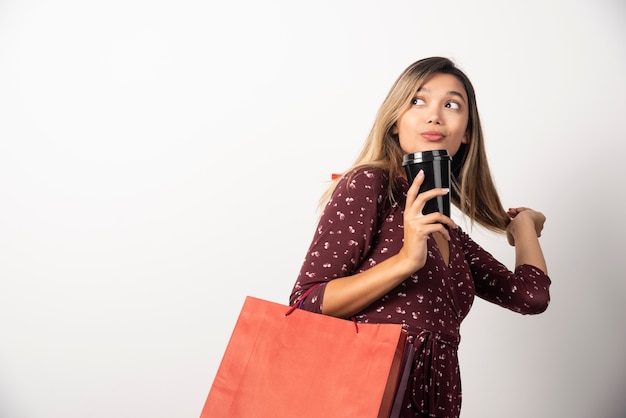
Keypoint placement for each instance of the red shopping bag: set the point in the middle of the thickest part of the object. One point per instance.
(286, 363)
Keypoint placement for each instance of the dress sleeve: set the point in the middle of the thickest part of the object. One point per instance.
(525, 290)
(344, 234)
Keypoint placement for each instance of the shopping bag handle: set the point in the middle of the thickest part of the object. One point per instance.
(298, 303)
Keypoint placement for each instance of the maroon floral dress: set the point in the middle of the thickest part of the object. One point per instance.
(359, 228)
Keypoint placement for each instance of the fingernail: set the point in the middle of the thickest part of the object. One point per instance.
(420, 173)
(445, 190)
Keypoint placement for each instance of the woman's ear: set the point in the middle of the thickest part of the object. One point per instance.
(465, 139)
(394, 129)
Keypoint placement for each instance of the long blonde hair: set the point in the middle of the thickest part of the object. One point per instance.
(473, 190)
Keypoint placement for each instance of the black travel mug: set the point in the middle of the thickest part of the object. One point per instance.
(436, 165)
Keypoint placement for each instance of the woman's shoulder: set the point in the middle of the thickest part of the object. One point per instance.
(362, 183)
(368, 172)
(370, 186)
(371, 177)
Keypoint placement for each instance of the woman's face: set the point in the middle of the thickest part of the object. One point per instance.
(437, 118)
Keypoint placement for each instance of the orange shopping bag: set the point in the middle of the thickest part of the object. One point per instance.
(282, 362)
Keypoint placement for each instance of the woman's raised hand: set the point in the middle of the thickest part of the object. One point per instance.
(417, 226)
(524, 217)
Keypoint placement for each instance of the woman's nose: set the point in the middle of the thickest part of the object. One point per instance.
(434, 116)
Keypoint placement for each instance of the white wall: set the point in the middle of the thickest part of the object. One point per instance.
(161, 160)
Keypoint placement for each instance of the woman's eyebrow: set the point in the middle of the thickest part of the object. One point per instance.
(450, 93)
(456, 93)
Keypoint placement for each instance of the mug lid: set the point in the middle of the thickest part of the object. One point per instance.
(418, 157)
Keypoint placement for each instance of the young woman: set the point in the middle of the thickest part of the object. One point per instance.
(376, 258)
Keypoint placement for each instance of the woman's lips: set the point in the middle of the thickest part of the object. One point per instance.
(432, 136)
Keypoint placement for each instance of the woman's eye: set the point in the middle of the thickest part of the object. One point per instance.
(453, 105)
(417, 101)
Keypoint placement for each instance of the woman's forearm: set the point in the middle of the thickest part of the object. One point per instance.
(527, 247)
(345, 296)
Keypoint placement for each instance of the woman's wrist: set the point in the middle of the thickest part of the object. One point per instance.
(521, 224)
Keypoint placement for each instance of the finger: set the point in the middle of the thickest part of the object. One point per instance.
(439, 227)
(518, 210)
(439, 218)
(425, 196)
(422, 198)
(430, 228)
(414, 190)
(513, 212)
